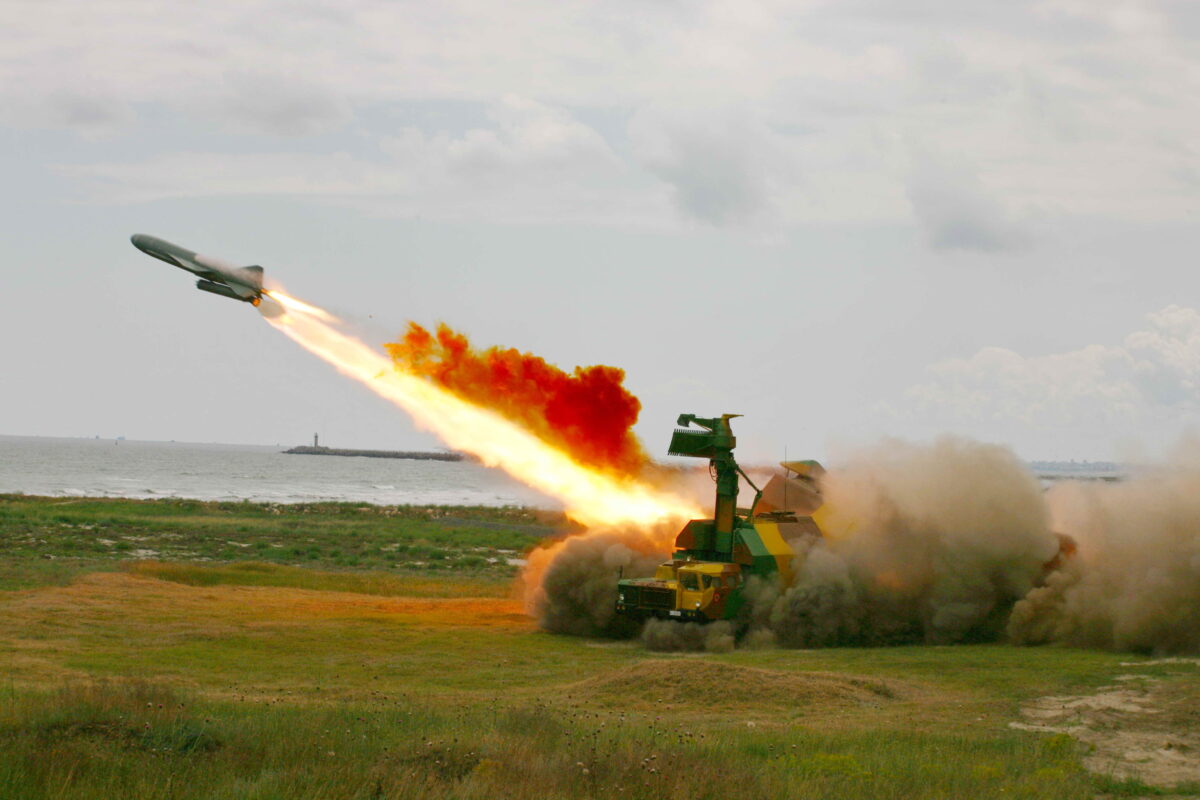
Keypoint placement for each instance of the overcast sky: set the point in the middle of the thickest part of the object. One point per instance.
(843, 219)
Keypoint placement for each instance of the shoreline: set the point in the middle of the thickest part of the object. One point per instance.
(63, 499)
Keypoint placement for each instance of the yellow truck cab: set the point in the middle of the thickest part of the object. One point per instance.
(689, 590)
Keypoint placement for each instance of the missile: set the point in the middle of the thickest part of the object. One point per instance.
(216, 276)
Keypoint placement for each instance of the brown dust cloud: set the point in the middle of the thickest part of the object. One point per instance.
(953, 541)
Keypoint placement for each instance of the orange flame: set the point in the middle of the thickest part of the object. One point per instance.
(590, 495)
(587, 413)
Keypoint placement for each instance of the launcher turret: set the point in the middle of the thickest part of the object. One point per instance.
(713, 557)
(715, 441)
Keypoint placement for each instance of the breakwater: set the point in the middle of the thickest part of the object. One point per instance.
(415, 455)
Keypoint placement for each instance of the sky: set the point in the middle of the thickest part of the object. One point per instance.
(845, 220)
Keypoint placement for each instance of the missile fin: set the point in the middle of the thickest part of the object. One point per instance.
(253, 275)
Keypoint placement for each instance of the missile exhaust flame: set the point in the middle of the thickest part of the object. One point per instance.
(292, 304)
(590, 496)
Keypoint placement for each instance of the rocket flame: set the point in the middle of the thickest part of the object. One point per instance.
(591, 496)
(299, 306)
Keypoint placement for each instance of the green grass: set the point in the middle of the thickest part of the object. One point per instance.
(136, 740)
(1012, 673)
(28, 572)
(1132, 787)
(45, 540)
(201, 676)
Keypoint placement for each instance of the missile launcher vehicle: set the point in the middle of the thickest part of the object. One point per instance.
(714, 558)
(706, 578)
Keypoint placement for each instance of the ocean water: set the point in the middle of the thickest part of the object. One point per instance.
(108, 468)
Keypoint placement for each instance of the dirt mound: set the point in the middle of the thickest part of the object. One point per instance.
(691, 681)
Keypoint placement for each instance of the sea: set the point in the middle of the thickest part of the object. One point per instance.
(123, 468)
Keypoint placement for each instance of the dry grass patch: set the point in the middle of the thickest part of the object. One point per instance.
(106, 596)
(123, 624)
(257, 573)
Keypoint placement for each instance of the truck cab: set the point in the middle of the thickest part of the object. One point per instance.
(704, 587)
(682, 589)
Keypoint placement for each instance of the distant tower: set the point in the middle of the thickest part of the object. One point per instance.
(315, 441)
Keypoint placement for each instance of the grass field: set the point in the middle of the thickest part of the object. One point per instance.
(50, 540)
(206, 669)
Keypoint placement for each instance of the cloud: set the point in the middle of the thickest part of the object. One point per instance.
(532, 162)
(527, 135)
(278, 105)
(721, 166)
(1148, 383)
(714, 112)
(90, 111)
(956, 211)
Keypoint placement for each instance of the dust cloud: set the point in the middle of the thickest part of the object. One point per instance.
(666, 636)
(953, 541)
(1135, 581)
(923, 543)
(571, 586)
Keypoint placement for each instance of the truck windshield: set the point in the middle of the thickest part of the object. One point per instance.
(690, 580)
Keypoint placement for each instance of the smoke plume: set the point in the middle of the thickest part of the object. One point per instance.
(923, 543)
(571, 586)
(953, 541)
(666, 636)
(588, 412)
(1135, 581)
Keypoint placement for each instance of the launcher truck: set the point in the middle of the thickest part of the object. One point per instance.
(706, 577)
(714, 558)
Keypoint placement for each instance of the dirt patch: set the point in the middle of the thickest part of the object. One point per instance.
(1160, 661)
(1144, 728)
(665, 683)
